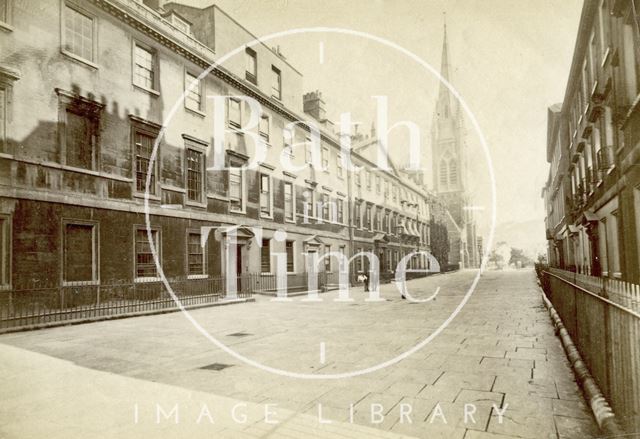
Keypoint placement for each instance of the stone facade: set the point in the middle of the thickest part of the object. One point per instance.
(592, 194)
(87, 89)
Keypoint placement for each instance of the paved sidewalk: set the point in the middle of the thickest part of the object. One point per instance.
(498, 360)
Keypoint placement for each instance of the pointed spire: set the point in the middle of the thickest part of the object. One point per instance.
(444, 67)
(444, 95)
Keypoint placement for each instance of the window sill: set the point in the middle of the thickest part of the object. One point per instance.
(238, 212)
(6, 27)
(197, 276)
(142, 280)
(195, 112)
(81, 283)
(147, 90)
(143, 195)
(611, 169)
(79, 59)
(290, 221)
(5, 287)
(195, 204)
(265, 216)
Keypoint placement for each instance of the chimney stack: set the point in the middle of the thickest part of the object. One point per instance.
(313, 105)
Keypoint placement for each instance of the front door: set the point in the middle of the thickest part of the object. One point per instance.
(239, 265)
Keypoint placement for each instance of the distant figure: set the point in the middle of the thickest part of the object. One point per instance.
(365, 279)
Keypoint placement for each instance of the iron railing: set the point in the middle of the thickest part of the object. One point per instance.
(603, 318)
(38, 305)
(41, 305)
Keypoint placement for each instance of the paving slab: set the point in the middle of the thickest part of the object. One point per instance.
(499, 351)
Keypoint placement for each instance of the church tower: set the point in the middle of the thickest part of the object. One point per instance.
(450, 170)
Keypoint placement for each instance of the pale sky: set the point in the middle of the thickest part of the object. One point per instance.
(509, 60)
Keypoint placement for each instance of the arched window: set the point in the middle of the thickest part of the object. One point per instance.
(453, 172)
(443, 172)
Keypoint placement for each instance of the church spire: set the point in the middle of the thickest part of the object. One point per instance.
(444, 94)
(444, 67)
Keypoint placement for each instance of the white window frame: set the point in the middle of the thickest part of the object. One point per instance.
(243, 187)
(293, 202)
(199, 90)
(325, 158)
(205, 265)
(293, 255)
(276, 73)
(231, 123)
(64, 4)
(147, 129)
(270, 195)
(265, 135)
(340, 169)
(270, 256)
(158, 245)
(154, 89)
(252, 77)
(200, 148)
(95, 246)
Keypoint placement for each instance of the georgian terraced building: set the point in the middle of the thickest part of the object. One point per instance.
(592, 194)
(85, 87)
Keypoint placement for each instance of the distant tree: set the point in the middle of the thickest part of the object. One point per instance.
(503, 254)
(517, 255)
(439, 243)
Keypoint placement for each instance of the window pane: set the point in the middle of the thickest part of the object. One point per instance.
(265, 256)
(235, 188)
(78, 33)
(276, 83)
(289, 249)
(196, 254)
(264, 127)
(194, 175)
(144, 147)
(288, 201)
(143, 74)
(78, 253)
(193, 99)
(252, 65)
(265, 194)
(79, 141)
(145, 265)
(234, 112)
